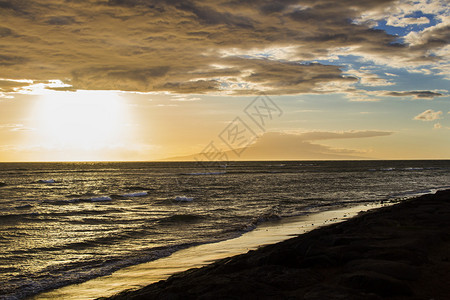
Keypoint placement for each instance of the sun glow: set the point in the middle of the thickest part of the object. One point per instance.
(80, 122)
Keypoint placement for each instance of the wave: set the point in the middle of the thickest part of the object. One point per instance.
(269, 216)
(100, 199)
(139, 188)
(183, 199)
(91, 212)
(25, 206)
(79, 200)
(13, 218)
(138, 194)
(109, 238)
(387, 169)
(81, 195)
(75, 272)
(46, 181)
(414, 193)
(52, 216)
(404, 169)
(93, 198)
(182, 218)
(205, 173)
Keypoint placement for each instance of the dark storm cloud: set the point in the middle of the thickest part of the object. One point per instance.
(7, 86)
(415, 94)
(4, 32)
(196, 87)
(209, 16)
(436, 37)
(61, 20)
(10, 5)
(180, 46)
(288, 77)
(11, 60)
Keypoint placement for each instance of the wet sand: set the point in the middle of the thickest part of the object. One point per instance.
(395, 252)
(140, 275)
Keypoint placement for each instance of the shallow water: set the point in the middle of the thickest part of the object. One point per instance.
(62, 223)
(139, 276)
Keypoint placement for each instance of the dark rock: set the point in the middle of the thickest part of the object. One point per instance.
(414, 258)
(397, 270)
(317, 261)
(321, 292)
(376, 283)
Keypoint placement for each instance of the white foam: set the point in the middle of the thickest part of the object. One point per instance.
(46, 181)
(140, 194)
(183, 199)
(102, 198)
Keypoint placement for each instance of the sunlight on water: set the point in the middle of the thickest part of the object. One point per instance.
(62, 223)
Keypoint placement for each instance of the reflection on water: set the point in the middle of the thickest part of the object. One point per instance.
(62, 223)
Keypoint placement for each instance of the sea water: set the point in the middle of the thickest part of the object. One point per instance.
(65, 223)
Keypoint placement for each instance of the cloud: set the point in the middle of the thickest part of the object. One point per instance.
(182, 98)
(11, 60)
(5, 32)
(373, 96)
(61, 20)
(324, 135)
(432, 37)
(415, 94)
(429, 115)
(369, 79)
(8, 86)
(202, 46)
(403, 22)
(360, 95)
(439, 126)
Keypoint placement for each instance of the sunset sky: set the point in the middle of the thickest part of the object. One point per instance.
(148, 80)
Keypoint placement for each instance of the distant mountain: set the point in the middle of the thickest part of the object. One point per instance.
(284, 146)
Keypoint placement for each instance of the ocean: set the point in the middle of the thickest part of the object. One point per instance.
(65, 223)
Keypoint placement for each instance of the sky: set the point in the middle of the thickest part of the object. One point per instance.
(138, 80)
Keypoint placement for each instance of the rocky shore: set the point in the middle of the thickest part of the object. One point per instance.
(395, 252)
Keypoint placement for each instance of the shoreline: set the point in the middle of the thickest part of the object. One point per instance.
(397, 252)
(140, 275)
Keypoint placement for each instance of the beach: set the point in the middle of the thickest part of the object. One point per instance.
(396, 252)
(138, 276)
(83, 231)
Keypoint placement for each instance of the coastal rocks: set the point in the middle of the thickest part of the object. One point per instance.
(322, 292)
(376, 283)
(394, 269)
